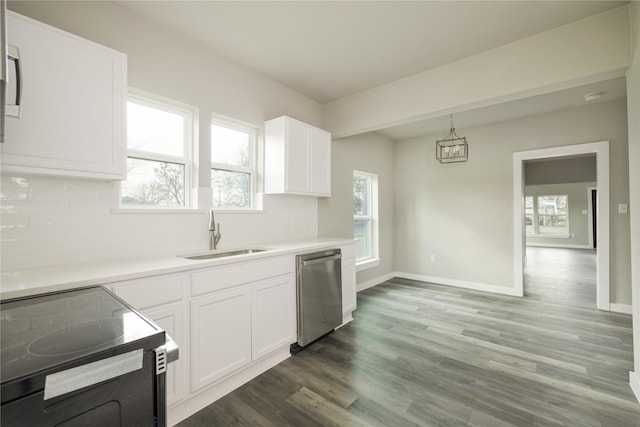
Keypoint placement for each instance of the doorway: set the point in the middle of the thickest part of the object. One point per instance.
(601, 150)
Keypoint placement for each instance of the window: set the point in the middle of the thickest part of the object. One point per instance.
(365, 217)
(529, 215)
(553, 215)
(547, 215)
(159, 140)
(233, 148)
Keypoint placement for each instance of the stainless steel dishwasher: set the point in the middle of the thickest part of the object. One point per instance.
(319, 295)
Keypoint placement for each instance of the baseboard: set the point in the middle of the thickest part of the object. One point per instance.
(460, 284)
(634, 382)
(621, 308)
(558, 245)
(373, 282)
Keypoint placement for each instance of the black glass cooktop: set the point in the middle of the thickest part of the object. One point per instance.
(44, 331)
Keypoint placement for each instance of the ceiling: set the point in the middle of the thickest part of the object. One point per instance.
(327, 50)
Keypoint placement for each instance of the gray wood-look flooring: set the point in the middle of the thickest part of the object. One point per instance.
(419, 354)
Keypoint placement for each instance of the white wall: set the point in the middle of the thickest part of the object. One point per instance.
(367, 153)
(578, 221)
(633, 105)
(462, 213)
(48, 221)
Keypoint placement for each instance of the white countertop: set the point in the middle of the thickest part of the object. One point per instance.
(22, 283)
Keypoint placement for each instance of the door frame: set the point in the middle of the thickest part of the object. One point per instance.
(601, 150)
(590, 215)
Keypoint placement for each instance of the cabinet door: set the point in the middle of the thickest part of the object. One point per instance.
(273, 314)
(160, 299)
(348, 286)
(298, 152)
(73, 105)
(320, 162)
(170, 319)
(220, 335)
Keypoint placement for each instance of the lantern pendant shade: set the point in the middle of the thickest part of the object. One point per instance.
(452, 149)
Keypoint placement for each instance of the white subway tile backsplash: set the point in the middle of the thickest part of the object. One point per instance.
(13, 181)
(14, 193)
(32, 234)
(13, 221)
(15, 248)
(53, 221)
(28, 207)
(45, 221)
(85, 209)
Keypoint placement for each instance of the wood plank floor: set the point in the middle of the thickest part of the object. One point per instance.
(419, 354)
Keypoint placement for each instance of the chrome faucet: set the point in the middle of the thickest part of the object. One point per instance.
(214, 231)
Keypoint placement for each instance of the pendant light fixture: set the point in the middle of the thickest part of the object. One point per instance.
(452, 149)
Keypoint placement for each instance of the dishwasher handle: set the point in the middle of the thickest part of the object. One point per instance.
(319, 260)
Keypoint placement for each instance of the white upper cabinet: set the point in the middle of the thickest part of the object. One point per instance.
(297, 158)
(72, 104)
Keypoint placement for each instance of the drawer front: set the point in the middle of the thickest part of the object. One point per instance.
(150, 292)
(228, 276)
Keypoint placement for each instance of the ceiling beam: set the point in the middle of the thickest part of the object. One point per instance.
(587, 51)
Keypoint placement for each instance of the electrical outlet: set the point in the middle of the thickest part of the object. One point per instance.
(622, 208)
(433, 258)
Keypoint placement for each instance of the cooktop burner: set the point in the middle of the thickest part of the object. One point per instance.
(77, 338)
(44, 331)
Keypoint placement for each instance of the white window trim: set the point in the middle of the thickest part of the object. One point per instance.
(255, 204)
(190, 114)
(373, 260)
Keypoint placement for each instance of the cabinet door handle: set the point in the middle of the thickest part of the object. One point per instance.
(13, 109)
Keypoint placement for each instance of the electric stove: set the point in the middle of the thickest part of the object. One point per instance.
(80, 357)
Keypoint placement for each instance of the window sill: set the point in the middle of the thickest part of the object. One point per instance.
(550, 236)
(367, 264)
(123, 210)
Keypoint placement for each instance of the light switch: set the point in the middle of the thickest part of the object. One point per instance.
(585, 212)
(622, 208)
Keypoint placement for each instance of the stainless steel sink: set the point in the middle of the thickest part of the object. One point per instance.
(223, 254)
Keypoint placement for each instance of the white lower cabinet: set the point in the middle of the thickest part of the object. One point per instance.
(231, 322)
(349, 299)
(160, 298)
(220, 335)
(274, 314)
(348, 286)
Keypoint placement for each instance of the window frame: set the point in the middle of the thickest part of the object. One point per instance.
(189, 115)
(372, 259)
(537, 211)
(536, 217)
(252, 169)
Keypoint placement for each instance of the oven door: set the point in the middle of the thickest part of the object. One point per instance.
(130, 399)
